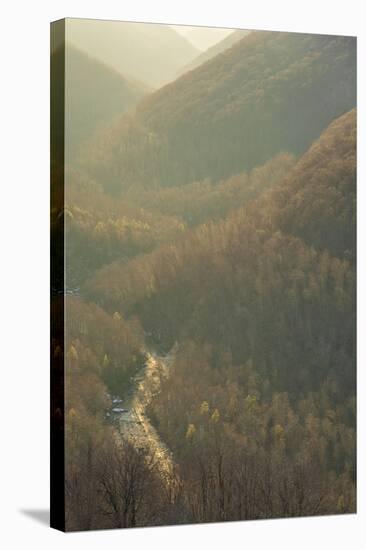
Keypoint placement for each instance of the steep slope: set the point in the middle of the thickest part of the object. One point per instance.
(270, 92)
(317, 202)
(216, 49)
(148, 52)
(95, 94)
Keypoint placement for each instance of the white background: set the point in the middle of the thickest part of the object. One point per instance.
(24, 309)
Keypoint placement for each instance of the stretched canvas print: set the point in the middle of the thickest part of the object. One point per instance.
(203, 265)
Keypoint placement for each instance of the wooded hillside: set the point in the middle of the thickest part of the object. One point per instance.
(271, 92)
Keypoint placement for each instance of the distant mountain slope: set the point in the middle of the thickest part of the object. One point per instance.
(216, 49)
(202, 37)
(148, 52)
(270, 92)
(95, 94)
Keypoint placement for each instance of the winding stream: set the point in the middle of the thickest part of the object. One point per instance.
(135, 424)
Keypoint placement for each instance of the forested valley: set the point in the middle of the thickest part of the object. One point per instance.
(213, 225)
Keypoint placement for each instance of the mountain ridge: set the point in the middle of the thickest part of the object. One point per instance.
(148, 52)
(216, 49)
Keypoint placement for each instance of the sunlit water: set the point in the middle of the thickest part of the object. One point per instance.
(135, 424)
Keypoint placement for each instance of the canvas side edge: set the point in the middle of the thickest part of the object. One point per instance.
(57, 314)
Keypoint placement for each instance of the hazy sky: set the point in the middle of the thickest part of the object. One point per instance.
(202, 37)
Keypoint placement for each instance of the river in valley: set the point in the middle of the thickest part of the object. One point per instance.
(134, 423)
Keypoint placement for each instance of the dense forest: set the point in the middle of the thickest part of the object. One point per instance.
(214, 227)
